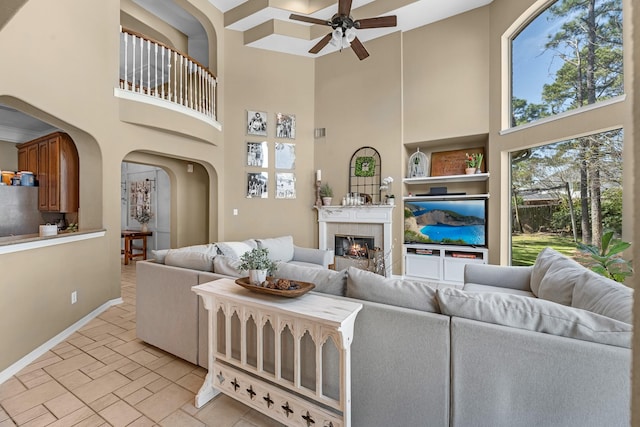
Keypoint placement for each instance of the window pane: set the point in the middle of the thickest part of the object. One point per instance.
(566, 192)
(567, 57)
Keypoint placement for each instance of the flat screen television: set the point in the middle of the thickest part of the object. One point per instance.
(448, 222)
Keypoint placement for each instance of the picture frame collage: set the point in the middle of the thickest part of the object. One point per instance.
(257, 155)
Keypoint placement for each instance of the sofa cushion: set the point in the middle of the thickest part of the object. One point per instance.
(306, 264)
(192, 260)
(476, 287)
(368, 286)
(196, 257)
(326, 281)
(534, 314)
(558, 282)
(228, 266)
(543, 261)
(235, 249)
(159, 255)
(209, 249)
(604, 296)
(280, 248)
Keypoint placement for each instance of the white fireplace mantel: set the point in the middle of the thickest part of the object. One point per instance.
(366, 214)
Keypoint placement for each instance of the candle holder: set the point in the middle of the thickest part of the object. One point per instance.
(318, 199)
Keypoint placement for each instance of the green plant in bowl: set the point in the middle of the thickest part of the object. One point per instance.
(257, 263)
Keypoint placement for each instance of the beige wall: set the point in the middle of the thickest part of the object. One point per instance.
(359, 103)
(8, 156)
(446, 78)
(77, 96)
(272, 82)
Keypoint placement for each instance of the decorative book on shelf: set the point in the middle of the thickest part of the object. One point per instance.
(464, 255)
(424, 251)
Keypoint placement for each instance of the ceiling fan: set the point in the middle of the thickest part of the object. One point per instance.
(344, 26)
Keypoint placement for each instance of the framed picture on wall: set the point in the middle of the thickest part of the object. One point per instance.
(285, 126)
(256, 123)
(285, 185)
(257, 185)
(258, 154)
(447, 163)
(285, 156)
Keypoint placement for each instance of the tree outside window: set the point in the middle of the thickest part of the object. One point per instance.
(568, 57)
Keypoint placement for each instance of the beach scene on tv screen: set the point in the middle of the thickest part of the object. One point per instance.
(455, 222)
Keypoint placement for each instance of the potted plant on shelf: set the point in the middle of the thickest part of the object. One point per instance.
(473, 161)
(326, 192)
(257, 263)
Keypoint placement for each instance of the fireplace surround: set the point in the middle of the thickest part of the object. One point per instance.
(373, 221)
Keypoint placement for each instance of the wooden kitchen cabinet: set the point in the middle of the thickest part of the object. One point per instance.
(54, 161)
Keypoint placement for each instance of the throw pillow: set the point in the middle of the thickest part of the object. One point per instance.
(561, 277)
(228, 266)
(280, 248)
(543, 261)
(368, 286)
(326, 281)
(192, 260)
(604, 296)
(159, 255)
(534, 315)
(235, 249)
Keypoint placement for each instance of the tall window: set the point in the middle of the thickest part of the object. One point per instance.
(564, 193)
(567, 57)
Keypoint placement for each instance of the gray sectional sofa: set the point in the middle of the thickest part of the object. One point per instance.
(546, 345)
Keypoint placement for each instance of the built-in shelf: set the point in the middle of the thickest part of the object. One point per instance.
(476, 177)
(443, 263)
(447, 197)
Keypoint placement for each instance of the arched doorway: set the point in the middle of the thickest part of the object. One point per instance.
(151, 186)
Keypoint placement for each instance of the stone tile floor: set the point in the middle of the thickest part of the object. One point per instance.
(103, 375)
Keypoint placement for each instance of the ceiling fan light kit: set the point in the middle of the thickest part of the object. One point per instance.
(344, 28)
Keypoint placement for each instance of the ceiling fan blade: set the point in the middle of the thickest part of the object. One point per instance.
(344, 7)
(382, 21)
(322, 43)
(359, 49)
(309, 19)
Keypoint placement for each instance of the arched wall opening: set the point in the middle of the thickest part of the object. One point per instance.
(193, 205)
(90, 161)
(146, 188)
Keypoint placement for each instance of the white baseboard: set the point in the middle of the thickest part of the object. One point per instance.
(29, 358)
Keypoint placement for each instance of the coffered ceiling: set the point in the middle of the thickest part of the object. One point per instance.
(266, 25)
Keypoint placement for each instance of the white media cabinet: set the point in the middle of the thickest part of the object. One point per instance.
(443, 263)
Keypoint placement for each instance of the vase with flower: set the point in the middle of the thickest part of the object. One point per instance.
(386, 186)
(473, 162)
(143, 217)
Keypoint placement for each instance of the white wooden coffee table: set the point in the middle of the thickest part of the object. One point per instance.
(261, 349)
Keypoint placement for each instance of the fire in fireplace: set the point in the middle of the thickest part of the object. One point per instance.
(353, 246)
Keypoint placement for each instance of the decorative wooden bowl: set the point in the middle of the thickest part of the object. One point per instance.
(297, 288)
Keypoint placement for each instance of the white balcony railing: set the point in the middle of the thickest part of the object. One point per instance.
(154, 69)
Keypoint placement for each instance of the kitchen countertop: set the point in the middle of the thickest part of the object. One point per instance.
(32, 238)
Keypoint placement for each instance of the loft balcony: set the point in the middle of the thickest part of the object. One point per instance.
(154, 73)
